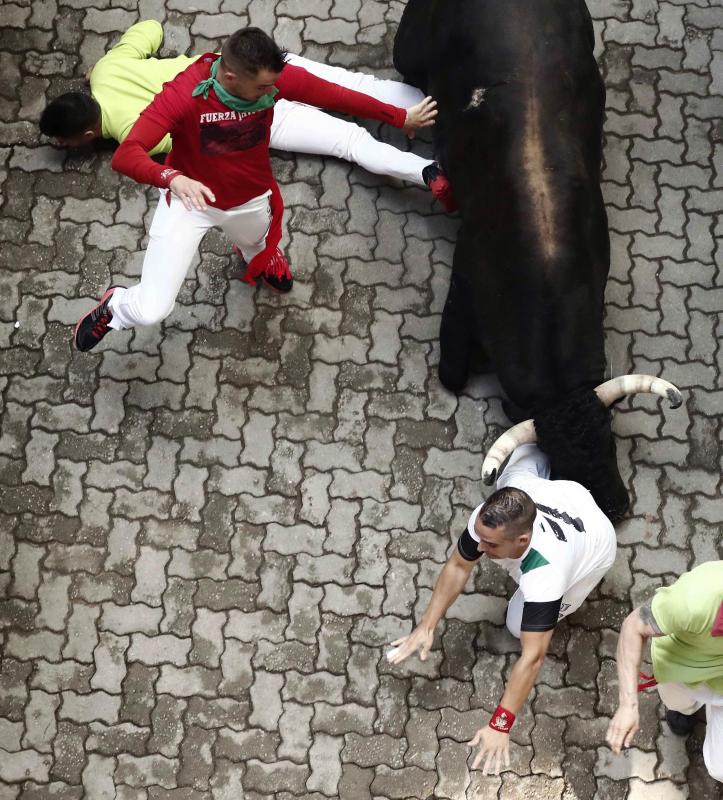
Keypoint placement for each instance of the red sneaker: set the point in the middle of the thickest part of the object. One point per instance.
(439, 185)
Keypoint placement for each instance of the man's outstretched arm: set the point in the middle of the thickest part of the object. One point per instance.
(295, 83)
(494, 739)
(638, 627)
(449, 586)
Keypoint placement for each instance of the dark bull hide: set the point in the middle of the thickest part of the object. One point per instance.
(521, 105)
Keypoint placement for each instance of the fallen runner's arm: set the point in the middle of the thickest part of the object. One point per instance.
(638, 627)
(447, 589)
(295, 83)
(494, 739)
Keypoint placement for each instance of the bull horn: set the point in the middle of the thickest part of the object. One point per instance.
(521, 433)
(614, 389)
(607, 392)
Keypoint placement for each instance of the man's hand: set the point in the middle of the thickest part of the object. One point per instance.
(420, 116)
(497, 747)
(420, 639)
(88, 73)
(192, 194)
(623, 726)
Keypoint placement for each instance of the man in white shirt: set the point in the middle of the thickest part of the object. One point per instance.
(555, 542)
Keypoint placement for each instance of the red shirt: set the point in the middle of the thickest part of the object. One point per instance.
(228, 150)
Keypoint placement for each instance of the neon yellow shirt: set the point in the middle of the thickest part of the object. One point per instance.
(686, 612)
(126, 79)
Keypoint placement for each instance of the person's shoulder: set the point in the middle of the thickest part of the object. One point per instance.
(197, 70)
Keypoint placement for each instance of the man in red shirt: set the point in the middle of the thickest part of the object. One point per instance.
(219, 112)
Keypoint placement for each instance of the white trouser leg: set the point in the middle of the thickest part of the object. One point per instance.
(173, 241)
(299, 128)
(713, 745)
(527, 459)
(247, 225)
(394, 92)
(679, 697)
(687, 700)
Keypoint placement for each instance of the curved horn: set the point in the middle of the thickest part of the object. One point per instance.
(513, 437)
(614, 389)
(607, 392)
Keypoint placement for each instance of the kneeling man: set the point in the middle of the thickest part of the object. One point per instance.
(555, 543)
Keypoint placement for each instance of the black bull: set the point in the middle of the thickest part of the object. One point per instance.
(521, 105)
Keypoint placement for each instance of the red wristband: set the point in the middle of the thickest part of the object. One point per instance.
(168, 175)
(502, 720)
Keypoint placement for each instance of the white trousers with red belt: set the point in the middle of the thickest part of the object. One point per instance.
(173, 242)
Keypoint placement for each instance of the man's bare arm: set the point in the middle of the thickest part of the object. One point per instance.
(638, 627)
(449, 586)
(526, 668)
(494, 745)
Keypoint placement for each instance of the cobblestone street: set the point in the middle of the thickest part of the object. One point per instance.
(211, 528)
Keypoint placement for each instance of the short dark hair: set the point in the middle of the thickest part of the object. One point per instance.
(510, 507)
(70, 114)
(250, 50)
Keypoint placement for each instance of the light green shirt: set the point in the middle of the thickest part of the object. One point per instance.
(126, 79)
(686, 612)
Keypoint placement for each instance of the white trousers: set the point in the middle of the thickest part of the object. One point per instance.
(687, 700)
(299, 128)
(528, 459)
(174, 238)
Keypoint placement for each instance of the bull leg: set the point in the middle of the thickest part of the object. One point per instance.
(456, 336)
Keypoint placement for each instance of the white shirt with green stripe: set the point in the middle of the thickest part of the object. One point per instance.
(572, 545)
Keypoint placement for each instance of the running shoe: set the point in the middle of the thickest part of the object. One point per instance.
(92, 327)
(439, 185)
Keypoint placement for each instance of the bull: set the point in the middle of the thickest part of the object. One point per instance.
(519, 132)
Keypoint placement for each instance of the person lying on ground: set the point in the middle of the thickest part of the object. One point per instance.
(219, 113)
(128, 77)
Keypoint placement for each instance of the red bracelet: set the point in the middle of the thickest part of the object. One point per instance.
(502, 720)
(168, 175)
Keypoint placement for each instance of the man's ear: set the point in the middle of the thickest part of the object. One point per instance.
(524, 538)
(89, 135)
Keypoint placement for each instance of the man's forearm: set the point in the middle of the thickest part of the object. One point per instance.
(295, 83)
(629, 656)
(132, 157)
(522, 679)
(448, 588)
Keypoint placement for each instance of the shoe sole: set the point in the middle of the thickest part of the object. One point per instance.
(108, 292)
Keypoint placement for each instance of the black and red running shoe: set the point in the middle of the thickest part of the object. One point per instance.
(277, 274)
(439, 185)
(92, 327)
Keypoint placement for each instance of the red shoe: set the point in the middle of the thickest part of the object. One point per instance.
(92, 327)
(439, 185)
(277, 274)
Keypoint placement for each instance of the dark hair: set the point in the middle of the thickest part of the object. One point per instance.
(250, 50)
(510, 507)
(70, 114)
